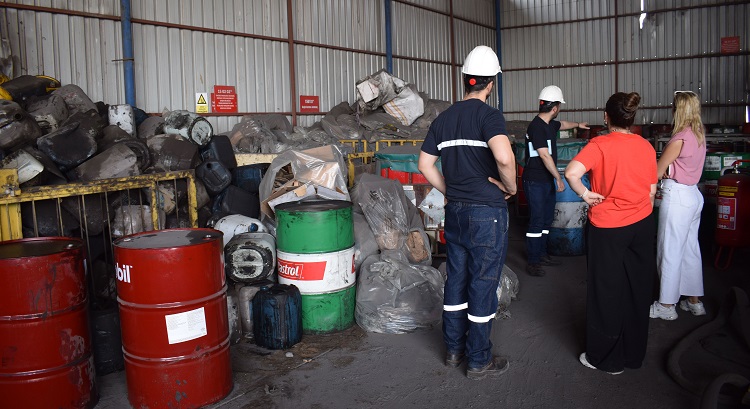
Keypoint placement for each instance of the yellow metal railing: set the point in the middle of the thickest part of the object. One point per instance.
(50, 210)
(12, 197)
(362, 153)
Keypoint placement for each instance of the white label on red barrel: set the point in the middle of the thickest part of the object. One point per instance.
(186, 326)
(317, 273)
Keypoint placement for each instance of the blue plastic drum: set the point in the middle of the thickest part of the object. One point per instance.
(566, 236)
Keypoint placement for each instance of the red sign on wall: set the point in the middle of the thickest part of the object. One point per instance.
(730, 45)
(224, 99)
(309, 103)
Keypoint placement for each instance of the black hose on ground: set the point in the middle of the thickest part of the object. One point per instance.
(712, 394)
(737, 298)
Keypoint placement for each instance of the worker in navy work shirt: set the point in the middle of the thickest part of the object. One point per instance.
(478, 176)
(541, 178)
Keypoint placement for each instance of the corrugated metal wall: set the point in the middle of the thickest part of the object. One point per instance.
(188, 46)
(183, 47)
(78, 49)
(590, 49)
(355, 33)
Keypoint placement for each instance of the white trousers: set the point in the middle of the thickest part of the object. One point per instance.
(678, 254)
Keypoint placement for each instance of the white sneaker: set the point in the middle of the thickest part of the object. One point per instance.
(584, 360)
(696, 309)
(660, 311)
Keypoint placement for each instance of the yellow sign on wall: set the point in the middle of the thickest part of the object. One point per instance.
(201, 102)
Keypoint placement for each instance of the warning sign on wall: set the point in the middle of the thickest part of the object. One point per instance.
(201, 102)
(730, 45)
(224, 99)
(309, 103)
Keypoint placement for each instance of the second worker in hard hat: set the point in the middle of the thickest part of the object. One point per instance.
(541, 179)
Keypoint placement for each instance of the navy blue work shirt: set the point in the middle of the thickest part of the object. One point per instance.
(459, 136)
(540, 134)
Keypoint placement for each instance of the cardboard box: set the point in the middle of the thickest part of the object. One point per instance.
(330, 194)
(291, 191)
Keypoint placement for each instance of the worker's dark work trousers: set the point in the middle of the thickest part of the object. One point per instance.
(621, 273)
(541, 199)
(477, 243)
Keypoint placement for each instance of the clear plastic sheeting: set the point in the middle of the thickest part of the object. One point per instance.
(251, 135)
(507, 290)
(433, 205)
(323, 166)
(386, 217)
(365, 244)
(394, 297)
(392, 218)
(131, 219)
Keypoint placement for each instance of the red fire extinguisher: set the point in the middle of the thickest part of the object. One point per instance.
(732, 212)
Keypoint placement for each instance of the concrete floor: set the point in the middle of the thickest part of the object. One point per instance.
(542, 339)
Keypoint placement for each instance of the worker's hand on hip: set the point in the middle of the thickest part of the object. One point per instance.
(560, 185)
(593, 199)
(500, 186)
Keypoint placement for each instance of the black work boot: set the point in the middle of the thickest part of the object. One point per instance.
(549, 261)
(535, 270)
(497, 366)
(454, 360)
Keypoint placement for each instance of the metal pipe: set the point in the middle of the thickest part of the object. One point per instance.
(640, 61)
(127, 51)
(292, 67)
(617, 56)
(453, 55)
(499, 56)
(388, 38)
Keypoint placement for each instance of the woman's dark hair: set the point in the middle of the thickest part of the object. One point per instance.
(479, 83)
(621, 108)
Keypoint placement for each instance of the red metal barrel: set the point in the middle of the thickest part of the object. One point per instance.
(172, 294)
(44, 333)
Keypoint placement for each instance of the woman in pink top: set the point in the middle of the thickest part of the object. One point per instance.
(678, 255)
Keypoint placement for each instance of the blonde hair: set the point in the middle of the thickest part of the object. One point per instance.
(687, 113)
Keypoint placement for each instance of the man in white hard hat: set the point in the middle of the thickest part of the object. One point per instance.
(478, 175)
(541, 178)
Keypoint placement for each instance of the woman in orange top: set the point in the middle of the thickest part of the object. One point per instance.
(621, 238)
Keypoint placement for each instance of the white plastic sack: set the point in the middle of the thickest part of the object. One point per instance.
(377, 89)
(407, 106)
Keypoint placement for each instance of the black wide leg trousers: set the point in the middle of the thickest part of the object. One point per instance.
(620, 279)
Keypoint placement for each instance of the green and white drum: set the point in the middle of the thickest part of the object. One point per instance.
(315, 252)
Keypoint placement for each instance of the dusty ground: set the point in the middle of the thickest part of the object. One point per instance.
(542, 339)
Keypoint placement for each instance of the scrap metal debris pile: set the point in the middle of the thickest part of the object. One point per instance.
(55, 134)
(386, 108)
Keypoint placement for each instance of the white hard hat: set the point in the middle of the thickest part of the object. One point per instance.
(482, 62)
(552, 93)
